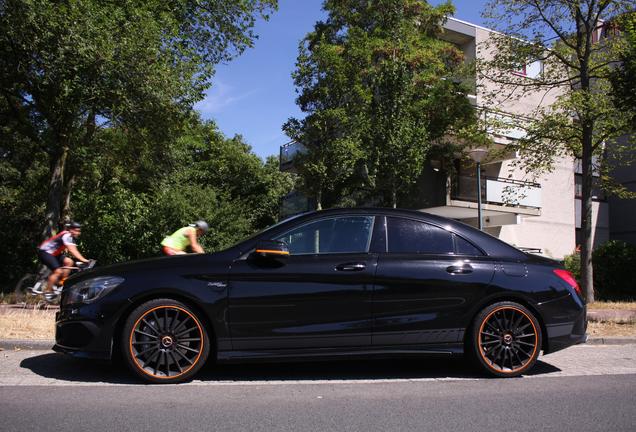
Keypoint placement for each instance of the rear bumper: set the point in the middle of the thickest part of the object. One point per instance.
(567, 333)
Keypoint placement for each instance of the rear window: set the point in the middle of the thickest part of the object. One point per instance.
(464, 247)
(410, 236)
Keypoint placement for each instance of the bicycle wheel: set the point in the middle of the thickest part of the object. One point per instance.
(22, 288)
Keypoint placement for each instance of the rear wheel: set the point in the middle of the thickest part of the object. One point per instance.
(164, 341)
(23, 287)
(506, 339)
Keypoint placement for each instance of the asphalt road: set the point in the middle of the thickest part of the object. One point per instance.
(583, 388)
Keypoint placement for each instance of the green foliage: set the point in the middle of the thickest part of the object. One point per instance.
(96, 124)
(129, 198)
(372, 79)
(624, 76)
(70, 68)
(128, 208)
(23, 178)
(614, 277)
(572, 263)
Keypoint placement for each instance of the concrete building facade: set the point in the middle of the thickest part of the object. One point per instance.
(540, 214)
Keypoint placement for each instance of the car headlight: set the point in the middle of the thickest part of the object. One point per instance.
(89, 290)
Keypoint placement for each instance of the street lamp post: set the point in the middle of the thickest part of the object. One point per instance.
(477, 155)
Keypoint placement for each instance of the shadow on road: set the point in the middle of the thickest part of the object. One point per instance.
(64, 368)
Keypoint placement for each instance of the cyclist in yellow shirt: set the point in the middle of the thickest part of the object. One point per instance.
(181, 239)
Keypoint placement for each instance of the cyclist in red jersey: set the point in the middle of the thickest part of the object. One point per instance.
(51, 254)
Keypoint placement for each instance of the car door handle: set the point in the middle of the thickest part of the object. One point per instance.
(460, 269)
(351, 267)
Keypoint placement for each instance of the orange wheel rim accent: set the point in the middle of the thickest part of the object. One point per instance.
(134, 356)
(507, 339)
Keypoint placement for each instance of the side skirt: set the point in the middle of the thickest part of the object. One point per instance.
(316, 354)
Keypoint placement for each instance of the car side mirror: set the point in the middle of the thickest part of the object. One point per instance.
(271, 249)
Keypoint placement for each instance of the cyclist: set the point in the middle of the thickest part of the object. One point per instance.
(177, 242)
(51, 254)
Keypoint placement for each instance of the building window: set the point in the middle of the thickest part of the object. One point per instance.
(530, 70)
(598, 194)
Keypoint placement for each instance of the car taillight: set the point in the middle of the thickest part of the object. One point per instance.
(569, 279)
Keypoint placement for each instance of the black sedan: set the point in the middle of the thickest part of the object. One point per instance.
(328, 284)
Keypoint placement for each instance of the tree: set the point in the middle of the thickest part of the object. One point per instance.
(129, 203)
(69, 68)
(624, 76)
(329, 156)
(379, 89)
(577, 64)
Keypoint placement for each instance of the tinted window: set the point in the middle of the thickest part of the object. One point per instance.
(409, 236)
(463, 247)
(337, 235)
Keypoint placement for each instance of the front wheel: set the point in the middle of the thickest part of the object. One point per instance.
(164, 341)
(506, 339)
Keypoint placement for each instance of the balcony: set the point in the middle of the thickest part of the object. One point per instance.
(504, 201)
(498, 191)
(287, 154)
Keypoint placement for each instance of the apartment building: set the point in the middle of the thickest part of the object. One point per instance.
(540, 215)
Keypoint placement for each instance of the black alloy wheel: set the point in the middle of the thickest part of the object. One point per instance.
(506, 339)
(165, 342)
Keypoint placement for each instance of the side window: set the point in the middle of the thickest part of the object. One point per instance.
(409, 236)
(337, 235)
(463, 247)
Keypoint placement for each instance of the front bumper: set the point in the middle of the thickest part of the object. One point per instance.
(82, 331)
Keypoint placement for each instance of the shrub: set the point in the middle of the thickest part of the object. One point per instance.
(614, 276)
(572, 263)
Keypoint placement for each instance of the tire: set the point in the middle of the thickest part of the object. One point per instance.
(506, 339)
(165, 342)
(23, 286)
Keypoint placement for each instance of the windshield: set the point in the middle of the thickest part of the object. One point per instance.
(258, 233)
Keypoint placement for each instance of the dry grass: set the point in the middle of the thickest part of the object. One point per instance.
(40, 324)
(27, 324)
(612, 305)
(12, 299)
(609, 329)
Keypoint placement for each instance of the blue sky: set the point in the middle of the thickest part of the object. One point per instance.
(254, 94)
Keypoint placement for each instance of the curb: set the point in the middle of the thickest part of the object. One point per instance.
(627, 340)
(47, 345)
(25, 344)
(618, 316)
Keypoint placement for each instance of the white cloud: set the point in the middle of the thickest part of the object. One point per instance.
(218, 97)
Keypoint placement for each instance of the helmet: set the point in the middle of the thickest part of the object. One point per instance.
(202, 225)
(73, 224)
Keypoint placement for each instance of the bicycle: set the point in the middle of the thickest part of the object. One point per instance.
(43, 275)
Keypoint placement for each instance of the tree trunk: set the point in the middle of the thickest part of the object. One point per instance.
(394, 197)
(56, 190)
(587, 272)
(89, 133)
(587, 173)
(68, 191)
(319, 200)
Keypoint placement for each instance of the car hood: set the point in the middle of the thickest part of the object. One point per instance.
(157, 263)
